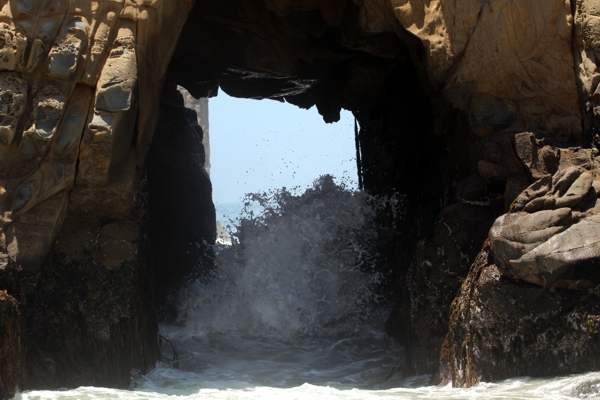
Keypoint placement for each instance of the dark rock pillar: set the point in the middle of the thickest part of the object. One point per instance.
(400, 165)
(10, 346)
(182, 220)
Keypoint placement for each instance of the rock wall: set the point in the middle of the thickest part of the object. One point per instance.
(200, 106)
(80, 82)
(586, 17)
(179, 240)
(508, 63)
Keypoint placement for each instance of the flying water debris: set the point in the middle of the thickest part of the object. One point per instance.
(294, 297)
(297, 265)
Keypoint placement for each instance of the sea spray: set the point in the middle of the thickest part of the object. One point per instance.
(293, 298)
(297, 265)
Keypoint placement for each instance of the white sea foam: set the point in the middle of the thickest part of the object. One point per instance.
(166, 383)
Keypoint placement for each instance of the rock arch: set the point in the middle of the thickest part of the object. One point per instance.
(461, 108)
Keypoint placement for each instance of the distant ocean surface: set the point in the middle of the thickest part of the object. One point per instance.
(227, 214)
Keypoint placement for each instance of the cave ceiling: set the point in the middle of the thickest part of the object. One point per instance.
(307, 54)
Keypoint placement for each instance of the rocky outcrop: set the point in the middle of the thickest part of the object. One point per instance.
(586, 33)
(79, 110)
(509, 64)
(501, 328)
(530, 303)
(436, 272)
(180, 239)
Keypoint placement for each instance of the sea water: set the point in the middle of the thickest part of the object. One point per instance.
(294, 312)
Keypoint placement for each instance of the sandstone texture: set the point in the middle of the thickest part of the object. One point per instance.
(467, 113)
(80, 83)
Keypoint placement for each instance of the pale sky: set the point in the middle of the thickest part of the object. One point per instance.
(257, 145)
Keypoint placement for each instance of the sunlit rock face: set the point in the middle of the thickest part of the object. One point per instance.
(79, 88)
(466, 111)
(509, 64)
(73, 74)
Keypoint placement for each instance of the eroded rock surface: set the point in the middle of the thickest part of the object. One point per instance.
(530, 303)
(501, 328)
(79, 88)
(524, 45)
(550, 237)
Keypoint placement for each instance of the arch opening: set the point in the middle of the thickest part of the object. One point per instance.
(402, 156)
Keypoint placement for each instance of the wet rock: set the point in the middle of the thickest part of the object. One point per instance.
(436, 272)
(10, 346)
(500, 328)
(525, 305)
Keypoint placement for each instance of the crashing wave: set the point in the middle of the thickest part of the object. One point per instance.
(295, 265)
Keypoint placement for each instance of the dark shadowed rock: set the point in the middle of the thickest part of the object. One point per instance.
(530, 303)
(501, 328)
(10, 346)
(182, 222)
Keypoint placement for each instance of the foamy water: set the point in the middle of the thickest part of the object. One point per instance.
(293, 313)
(165, 383)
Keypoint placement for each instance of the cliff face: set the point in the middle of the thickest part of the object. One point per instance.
(464, 108)
(80, 88)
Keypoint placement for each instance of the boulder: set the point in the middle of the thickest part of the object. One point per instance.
(568, 259)
(530, 303)
(501, 328)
